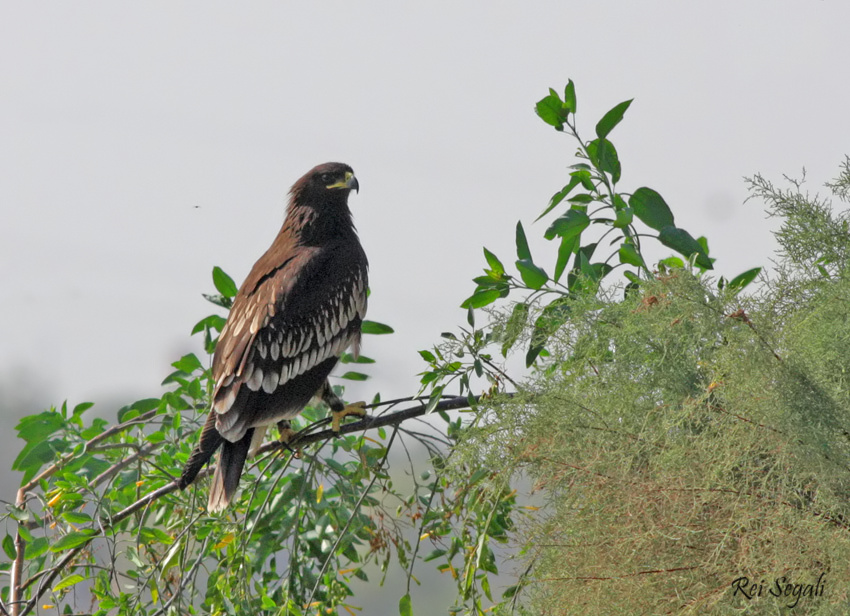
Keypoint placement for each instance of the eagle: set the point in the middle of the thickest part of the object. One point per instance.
(298, 310)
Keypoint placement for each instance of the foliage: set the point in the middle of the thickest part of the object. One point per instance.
(685, 437)
(679, 435)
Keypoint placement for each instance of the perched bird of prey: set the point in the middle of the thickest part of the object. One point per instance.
(300, 307)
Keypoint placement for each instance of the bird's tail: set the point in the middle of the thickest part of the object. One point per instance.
(226, 478)
(210, 441)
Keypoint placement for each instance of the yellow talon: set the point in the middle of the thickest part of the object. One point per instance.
(286, 435)
(355, 408)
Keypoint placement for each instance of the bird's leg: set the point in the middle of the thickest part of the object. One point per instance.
(338, 409)
(286, 435)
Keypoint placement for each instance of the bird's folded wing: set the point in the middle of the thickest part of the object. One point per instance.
(291, 320)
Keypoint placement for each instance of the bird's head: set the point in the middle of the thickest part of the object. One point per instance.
(327, 183)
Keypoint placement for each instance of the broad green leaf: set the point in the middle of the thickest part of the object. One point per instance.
(534, 351)
(137, 408)
(682, 242)
(172, 557)
(624, 218)
(559, 196)
(740, 281)
(427, 356)
(611, 119)
(73, 540)
(68, 580)
(223, 283)
(565, 251)
(582, 172)
(373, 327)
(188, 363)
(348, 358)
(36, 548)
(629, 255)
(213, 321)
(522, 250)
(672, 263)
(551, 110)
(571, 224)
(532, 275)
(651, 208)
(355, 376)
(35, 428)
(570, 96)
(77, 517)
(81, 408)
(479, 299)
(582, 199)
(9, 547)
(495, 265)
(604, 155)
(404, 606)
(434, 400)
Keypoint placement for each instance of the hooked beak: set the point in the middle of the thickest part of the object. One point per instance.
(350, 182)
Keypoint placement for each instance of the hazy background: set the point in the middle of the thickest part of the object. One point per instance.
(141, 144)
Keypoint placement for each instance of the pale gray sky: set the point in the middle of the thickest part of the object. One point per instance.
(143, 143)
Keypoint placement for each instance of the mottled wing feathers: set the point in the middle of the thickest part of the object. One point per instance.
(293, 319)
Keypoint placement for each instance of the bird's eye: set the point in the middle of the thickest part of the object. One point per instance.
(327, 178)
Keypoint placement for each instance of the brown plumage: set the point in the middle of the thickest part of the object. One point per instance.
(300, 307)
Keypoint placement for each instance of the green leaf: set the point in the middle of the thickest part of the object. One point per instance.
(624, 218)
(682, 242)
(373, 327)
(611, 119)
(427, 356)
(565, 251)
(404, 606)
(571, 224)
(223, 283)
(76, 517)
(570, 96)
(522, 250)
(188, 363)
(559, 196)
(672, 263)
(651, 208)
(35, 428)
(82, 408)
(36, 548)
(73, 540)
(213, 321)
(604, 155)
(434, 400)
(348, 358)
(68, 580)
(531, 356)
(740, 281)
(355, 376)
(532, 275)
(9, 546)
(479, 299)
(629, 255)
(496, 266)
(551, 110)
(171, 558)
